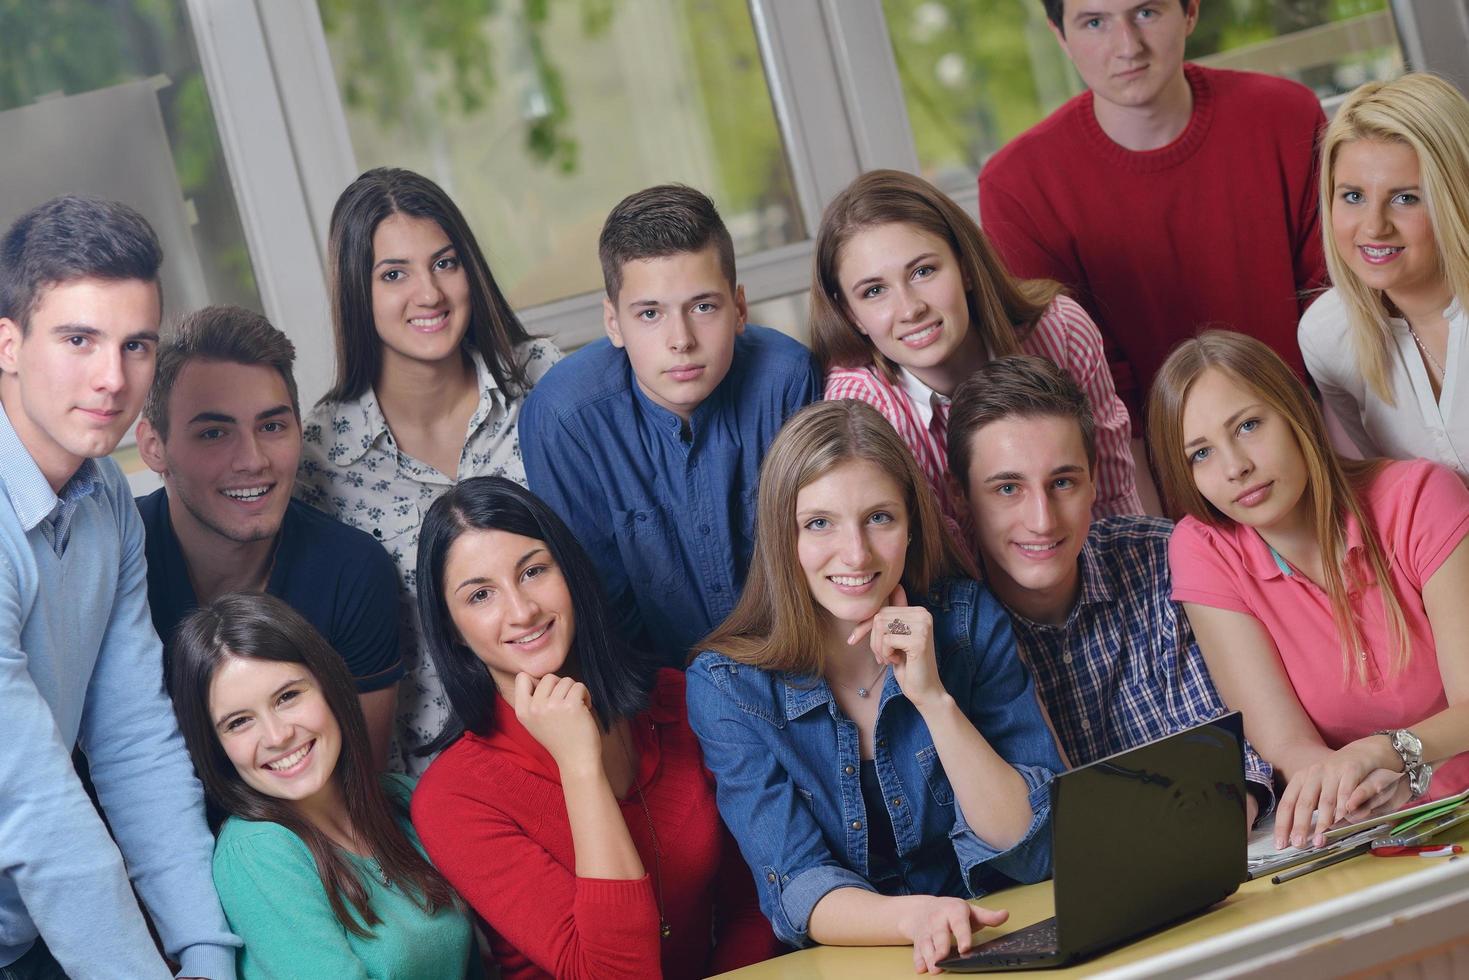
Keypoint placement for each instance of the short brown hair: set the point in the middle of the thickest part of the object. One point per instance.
(665, 220)
(1002, 309)
(1019, 386)
(231, 334)
(777, 625)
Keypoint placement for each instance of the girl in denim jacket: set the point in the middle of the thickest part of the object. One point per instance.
(876, 744)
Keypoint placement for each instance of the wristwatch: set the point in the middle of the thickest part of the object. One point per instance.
(1409, 748)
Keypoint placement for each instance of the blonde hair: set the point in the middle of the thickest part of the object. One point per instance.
(1429, 116)
(1332, 482)
(1002, 309)
(777, 625)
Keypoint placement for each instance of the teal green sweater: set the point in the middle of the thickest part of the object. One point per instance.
(276, 903)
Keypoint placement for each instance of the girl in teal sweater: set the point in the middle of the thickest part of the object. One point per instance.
(316, 864)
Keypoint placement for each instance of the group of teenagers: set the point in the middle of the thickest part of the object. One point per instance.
(697, 644)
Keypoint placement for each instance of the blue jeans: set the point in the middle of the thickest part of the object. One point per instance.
(36, 964)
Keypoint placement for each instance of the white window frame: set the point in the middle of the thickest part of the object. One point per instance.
(833, 82)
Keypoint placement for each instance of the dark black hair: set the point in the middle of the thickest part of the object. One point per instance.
(494, 330)
(665, 220)
(617, 677)
(254, 626)
(71, 238)
(1056, 10)
(230, 334)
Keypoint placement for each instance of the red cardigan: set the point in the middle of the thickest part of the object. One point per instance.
(491, 814)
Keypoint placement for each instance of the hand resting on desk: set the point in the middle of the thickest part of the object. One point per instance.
(1350, 784)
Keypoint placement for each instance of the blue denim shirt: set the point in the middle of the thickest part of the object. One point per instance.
(787, 769)
(667, 516)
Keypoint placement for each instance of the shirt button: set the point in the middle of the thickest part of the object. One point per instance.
(770, 877)
(849, 770)
(1066, 659)
(377, 532)
(881, 742)
(898, 801)
(1086, 725)
(856, 825)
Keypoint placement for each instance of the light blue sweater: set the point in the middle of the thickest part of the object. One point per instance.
(78, 657)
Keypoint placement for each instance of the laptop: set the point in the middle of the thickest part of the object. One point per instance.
(1138, 840)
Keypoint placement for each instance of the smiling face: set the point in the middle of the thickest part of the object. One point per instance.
(74, 382)
(1127, 52)
(677, 316)
(509, 603)
(1380, 222)
(1030, 491)
(904, 291)
(852, 539)
(1243, 455)
(420, 292)
(274, 724)
(232, 449)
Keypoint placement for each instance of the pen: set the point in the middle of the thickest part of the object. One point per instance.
(1444, 850)
(1317, 865)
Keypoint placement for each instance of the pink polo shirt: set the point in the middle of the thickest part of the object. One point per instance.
(1421, 511)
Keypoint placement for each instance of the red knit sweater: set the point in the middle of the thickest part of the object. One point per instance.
(491, 814)
(1218, 228)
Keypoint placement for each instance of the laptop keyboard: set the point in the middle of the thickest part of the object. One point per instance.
(1037, 939)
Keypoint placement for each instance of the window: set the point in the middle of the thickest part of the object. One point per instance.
(538, 117)
(976, 73)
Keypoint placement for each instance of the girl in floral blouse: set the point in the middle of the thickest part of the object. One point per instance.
(432, 368)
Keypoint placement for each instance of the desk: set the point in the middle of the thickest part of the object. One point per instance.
(1365, 914)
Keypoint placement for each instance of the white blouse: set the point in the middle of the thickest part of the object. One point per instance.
(1417, 426)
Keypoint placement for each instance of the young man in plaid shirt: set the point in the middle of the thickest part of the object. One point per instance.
(1113, 656)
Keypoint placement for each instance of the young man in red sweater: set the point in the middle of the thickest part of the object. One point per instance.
(1169, 197)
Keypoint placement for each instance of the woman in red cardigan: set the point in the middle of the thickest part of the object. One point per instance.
(573, 810)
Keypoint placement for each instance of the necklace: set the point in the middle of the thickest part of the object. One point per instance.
(664, 930)
(866, 689)
(1426, 352)
(379, 873)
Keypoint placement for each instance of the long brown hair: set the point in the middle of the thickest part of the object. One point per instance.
(1333, 483)
(1431, 117)
(253, 626)
(1002, 309)
(777, 625)
(494, 330)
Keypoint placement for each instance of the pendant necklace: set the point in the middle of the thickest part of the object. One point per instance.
(866, 689)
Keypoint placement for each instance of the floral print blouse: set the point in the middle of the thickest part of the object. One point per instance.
(352, 469)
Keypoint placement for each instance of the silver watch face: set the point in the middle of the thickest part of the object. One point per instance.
(1407, 744)
(1419, 778)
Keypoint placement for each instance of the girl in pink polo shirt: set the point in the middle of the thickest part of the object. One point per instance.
(1327, 594)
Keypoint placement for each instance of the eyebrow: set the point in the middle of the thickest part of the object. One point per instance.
(1228, 423)
(82, 329)
(273, 695)
(481, 579)
(908, 265)
(708, 294)
(447, 248)
(1011, 476)
(269, 413)
(1343, 185)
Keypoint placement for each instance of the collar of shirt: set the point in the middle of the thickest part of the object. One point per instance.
(29, 491)
(1265, 563)
(374, 425)
(925, 399)
(511, 737)
(671, 424)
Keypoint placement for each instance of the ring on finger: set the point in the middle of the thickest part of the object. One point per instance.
(899, 628)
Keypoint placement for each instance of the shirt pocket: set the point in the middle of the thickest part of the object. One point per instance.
(650, 550)
(934, 775)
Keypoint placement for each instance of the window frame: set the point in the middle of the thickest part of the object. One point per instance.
(834, 87)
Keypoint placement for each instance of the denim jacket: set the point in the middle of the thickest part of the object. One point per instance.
(787, 768)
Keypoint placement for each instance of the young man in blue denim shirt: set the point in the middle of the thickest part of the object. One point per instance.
(79, 311)
(1113, 656)
(649, 443)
